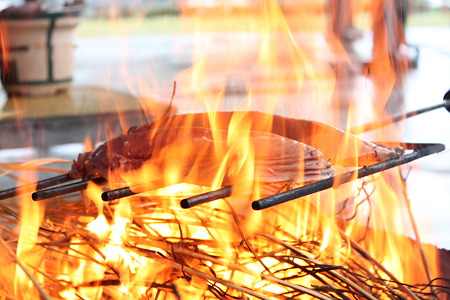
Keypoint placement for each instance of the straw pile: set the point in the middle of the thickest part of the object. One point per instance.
(145, 247)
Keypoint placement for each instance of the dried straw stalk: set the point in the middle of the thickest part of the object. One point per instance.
(181, 257)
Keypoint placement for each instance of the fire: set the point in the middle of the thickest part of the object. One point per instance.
(348, 242)
(4, 46)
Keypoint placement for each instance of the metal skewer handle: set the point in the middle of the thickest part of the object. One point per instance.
(374, 125)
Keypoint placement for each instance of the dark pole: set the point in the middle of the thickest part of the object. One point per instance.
(41, 184)
(374, 125)
(206, 197)
(65, 189)
(420, 150)
(117, 194)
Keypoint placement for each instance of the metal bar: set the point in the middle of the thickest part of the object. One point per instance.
(117, 194)
(374, 125)
(35, 186)
(206, 197)
(371, 126)
(420, 150)
(130, 191)
(65, 189)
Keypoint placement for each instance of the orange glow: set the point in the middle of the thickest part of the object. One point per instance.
(4, 47)
(146, 246)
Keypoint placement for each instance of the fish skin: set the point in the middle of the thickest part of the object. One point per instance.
(198, 152)
(341, 147)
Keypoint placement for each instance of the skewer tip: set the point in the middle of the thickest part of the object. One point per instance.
(185, 204)
(256, 205)
(34, 196)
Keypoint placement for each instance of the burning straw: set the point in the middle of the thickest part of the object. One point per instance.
(147, 247)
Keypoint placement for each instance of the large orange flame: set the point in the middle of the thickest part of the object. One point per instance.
(145, 246)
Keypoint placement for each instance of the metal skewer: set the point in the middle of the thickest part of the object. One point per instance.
(374, 125)
(65, 189)
(206, 197)
(130, 191)
(420, 150)
(185, 203)
(39, 185)
(117, 194)
(328, 183)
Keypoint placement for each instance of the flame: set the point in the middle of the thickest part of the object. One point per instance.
(146, 246)
(4, 48)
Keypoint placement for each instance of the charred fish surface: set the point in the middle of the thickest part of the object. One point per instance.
(282, 149)
(199, 154)
(128, 151)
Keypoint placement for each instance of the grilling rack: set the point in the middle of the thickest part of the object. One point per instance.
(418, 151)
(53, 187)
